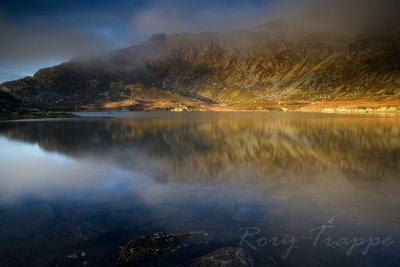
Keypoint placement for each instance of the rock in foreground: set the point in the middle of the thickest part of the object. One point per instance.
(224, 257)
(164, 249)
(147, 247)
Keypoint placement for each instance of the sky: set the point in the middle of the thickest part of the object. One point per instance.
(42, 33)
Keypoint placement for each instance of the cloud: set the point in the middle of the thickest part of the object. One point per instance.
(36, 39)
(28, 43)
(178, 17)
(360, 12)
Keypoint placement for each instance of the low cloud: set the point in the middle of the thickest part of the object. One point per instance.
(178, 17)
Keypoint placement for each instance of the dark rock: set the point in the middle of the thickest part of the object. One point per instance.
(226, 257)
(161, 249)
(147, 247)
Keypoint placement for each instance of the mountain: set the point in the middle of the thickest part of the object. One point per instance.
(275, 66)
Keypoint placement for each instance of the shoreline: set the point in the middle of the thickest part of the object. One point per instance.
(73, 115)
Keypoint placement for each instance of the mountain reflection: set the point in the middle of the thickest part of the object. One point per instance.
(235, 147)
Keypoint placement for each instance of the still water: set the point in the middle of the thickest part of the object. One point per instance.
(291, 189)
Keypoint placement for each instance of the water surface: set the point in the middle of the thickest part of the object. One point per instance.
(72, 191)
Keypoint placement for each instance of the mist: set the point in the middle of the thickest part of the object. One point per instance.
(178, 17)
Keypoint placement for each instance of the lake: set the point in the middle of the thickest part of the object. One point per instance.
(290, 189)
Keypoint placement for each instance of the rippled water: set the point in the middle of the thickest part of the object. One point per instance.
(73, 191)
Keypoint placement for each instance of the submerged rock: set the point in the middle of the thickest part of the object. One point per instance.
(226, 257)
(161, 249)
(148, 247)
(25, 221)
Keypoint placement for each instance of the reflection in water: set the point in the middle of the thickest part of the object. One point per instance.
(107, 180)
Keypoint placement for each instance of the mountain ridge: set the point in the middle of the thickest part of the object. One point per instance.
(275, 66)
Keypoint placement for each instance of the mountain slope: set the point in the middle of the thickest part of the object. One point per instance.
(272, 66)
